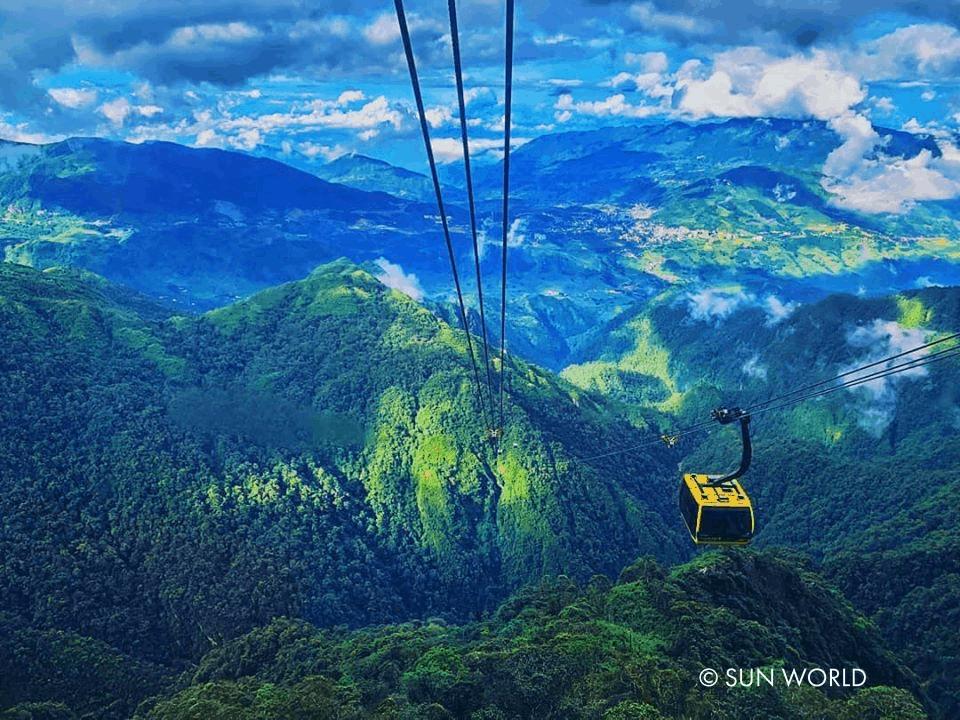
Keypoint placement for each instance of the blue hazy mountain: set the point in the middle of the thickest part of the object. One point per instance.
(600, 221)
(365, 173)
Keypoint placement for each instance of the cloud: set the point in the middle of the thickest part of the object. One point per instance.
(116, 111)
(350, 96)
(392, 276)
(327, 152)
(515, 235)
(208, 138)
(882, 339)
(383, 30)
(916, 51)
(653, 84)
(777, 310)
(650, 62)
(323, 113)
(872, 182)
(747, 82)
(247, 139)
(448, 150)
(753, 368)
(711, 304)
(792, 23)
(479, 96)
(226, 43)
(73, 97)
(439, 115)
(613, 106)
(649, 18)
(22, 133)
(119, 109)
(884, 104)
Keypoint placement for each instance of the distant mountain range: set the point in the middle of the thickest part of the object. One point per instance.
(365, 173)
(600, 221)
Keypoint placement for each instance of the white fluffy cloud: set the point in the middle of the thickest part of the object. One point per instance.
(118, 110)
(880, 183)
(439, 115)
(393, 276)
(328, 152)
(383, 30)
(777, 310)
(613, 106)
(753, 368)
(651, 19)
(324, 113)
(73, 97)
(748, 82)
(882, 339)
(712, 304)
(915, 51)
(649, 62)
(448, 150)
(185, 37)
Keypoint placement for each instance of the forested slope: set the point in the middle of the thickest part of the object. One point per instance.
(315, 451)
(633, 650)
(864, 479)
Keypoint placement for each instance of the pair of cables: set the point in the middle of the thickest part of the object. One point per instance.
(819, 389)
(497, 427)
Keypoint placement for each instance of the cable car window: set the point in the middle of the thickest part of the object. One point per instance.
(725, 523)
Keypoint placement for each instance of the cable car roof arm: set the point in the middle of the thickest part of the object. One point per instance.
(725, 416)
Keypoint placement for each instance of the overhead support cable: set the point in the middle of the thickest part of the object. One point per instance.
(803, 389)
(507, 101)
(455, 41)
(411, 65)
(879, 374)
(951, 352)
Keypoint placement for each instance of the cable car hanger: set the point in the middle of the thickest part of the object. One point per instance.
(725, 416)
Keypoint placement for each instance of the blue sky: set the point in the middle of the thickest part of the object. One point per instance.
(322, 78)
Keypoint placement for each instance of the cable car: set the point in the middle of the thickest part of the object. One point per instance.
(715, 508)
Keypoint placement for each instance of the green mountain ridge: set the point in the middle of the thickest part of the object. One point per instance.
(349, 492)
(316, 451)
(862, 478)
(366, 173)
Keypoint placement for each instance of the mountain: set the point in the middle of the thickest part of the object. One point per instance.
(631, 650)
(365, 173)
(601, 222)
(197, 228)
(861, 478)
(288, 156)
(315, 450)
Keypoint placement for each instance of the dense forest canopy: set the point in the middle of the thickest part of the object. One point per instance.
(172, 482)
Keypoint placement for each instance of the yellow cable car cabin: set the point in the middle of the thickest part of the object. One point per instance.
(715, 508)
(716, 514)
